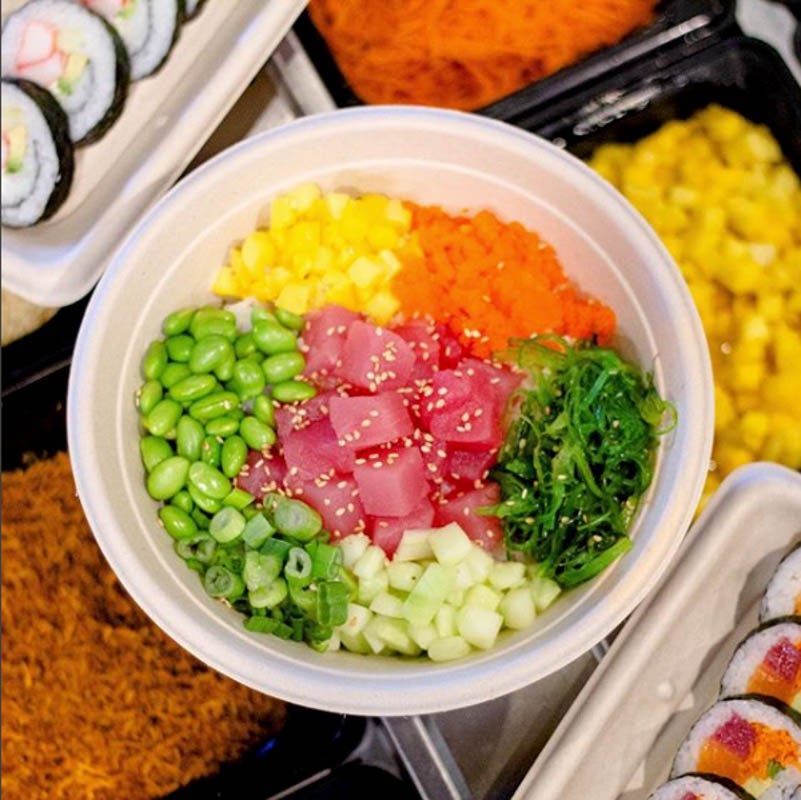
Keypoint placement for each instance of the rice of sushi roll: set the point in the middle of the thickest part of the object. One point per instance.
(699, 787)
(783, 594)
(768, 662)
(37, 157)
(76, 55)
(747, 740)
(192, 7)
(148, 28)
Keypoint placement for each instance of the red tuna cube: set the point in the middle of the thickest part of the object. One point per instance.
(262, 473)
(386, 532)
(370, 420)
(315, 450)
(394, 485)
(483, 530)
(337, 501)
(375, 358)
(324, 336)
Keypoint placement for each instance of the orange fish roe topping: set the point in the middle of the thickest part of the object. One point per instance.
(492, 281)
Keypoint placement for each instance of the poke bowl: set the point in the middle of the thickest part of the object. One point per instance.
(298, 251)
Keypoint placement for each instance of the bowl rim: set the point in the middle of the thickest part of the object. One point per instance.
(446, 687)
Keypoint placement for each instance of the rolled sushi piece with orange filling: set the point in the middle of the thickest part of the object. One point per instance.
(782, 597)
(751, 741)
(699, 787)
(768, 662)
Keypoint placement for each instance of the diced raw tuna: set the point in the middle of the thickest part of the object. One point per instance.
(783, 660)
(420, 335)
(486, 531)
(451, 351)
(462, 409)
(470, 466)
(370, 420)
(295, 416)
(375, 358)
(736, 735)
(262, 473)
(324, 336)
(337, 501)
(386, 532)
(501, 380)
(315, 450)
(393, 486)
(435, 457)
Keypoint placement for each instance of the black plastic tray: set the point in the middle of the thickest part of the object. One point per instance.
(687, 23)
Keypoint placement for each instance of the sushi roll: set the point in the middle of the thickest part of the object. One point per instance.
(76, 55)
(783, 595)
(768, 662)
(192, 8)
(699, 787)
(37, 154)
(747, 740)
(148, 28)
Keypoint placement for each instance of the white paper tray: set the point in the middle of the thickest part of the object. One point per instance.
(664, 669)
(166, 119)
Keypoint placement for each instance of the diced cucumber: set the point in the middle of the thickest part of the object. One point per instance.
(463, 576)
(507, 574)
(482, 596)
(455, 598)
(354, 642)
(445, 621)
(374, 641)
(518, 608)
(414, 545)
(478, 626)
(394, 633)
(480, 563)
(403, 575)
(333, 643)
(353, 548)
(428, 594)
(448, 648)
(369, 588)
(544, 591)
(370, 563)
(357, 619)
(422, 635)
(450, 544)
(387, 605)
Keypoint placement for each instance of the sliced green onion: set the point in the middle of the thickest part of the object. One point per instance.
(221, 582)
(261, 624)
(257, 531)
(260, 570)
(296, 519)
(326, 561)
(200, 547)
(277, 547)
(332, 603)
(227, 524)
(268, 596)
(238, 499)
(298, 569)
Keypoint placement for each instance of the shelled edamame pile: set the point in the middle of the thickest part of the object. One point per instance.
(356, 465)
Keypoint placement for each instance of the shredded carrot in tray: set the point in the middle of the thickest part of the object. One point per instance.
(465, 53)
(98, 703)
(492, 281)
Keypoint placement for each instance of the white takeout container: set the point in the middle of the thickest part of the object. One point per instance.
(166, 119)
(664, 670)
(458, 160)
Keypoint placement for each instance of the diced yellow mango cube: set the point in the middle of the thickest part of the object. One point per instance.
(258, 251)
(382, 306)
(365, 271)
(294, 297)
(226, 283)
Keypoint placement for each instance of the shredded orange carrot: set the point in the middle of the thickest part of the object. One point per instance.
(465, 53)
(492, 281)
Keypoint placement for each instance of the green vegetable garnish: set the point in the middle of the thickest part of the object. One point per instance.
(577, 456)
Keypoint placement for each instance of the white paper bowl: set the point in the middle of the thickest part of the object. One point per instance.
(459, 161)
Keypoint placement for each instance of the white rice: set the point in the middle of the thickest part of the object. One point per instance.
(26, 193)
(751, 652)
(92, 96)
(678, 788)
(784, 588)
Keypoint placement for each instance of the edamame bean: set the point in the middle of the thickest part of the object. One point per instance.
(201, 519)
(163, 417)
(244, 346)
(293, 391)
(261, 314)
(154, 450)
(209, 480)
(225, 371)
(183, 501)
(208, 353)
(178, 322)
(256, 434)
(154, 360)
(168, 478)
(233, 456)
(210, 451)
(222, 426)
(264, 410)
(180, 347)
(177, 522)
(189, 434)
(149, 394)
(272, 338)
(193, 387)
(210, 314)
(282, 367)
(289, 320)
(248, 379)
(211, 505)
(174, 373)
(213, 405)
(216, 327)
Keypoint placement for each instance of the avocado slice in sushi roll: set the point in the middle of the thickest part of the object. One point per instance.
(700, 787)
(73, 53)
(37, 156)
(752, 741)
(768, 662)
(149, 29)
